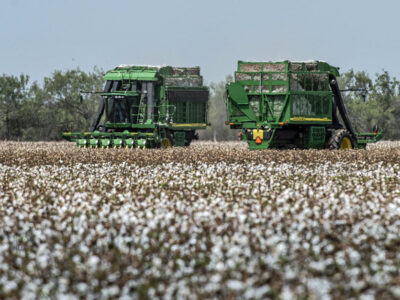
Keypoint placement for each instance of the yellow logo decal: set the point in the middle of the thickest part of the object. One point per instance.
(258, 133)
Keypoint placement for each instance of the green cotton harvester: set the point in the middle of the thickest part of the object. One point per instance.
(147, 107)
(291, 105)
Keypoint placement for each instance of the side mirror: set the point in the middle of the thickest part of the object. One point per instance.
(376, 128)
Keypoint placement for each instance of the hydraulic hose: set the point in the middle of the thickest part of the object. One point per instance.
(340, 105)
(100, 110)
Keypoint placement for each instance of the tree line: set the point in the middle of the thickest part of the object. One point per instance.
(372, 101)
(33, 112)
(30, 111)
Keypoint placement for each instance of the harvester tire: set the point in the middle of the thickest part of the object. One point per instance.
(341, 139)
(191, 135)
(166, 143)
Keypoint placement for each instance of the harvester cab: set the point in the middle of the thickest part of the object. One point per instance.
(147, 107)
(291, 105)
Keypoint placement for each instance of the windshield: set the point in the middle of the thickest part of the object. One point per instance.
(119, 109)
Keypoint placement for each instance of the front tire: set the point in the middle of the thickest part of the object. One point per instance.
(167, 141)
(341, 140)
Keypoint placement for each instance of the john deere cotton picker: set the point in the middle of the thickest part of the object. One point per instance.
(147, 107)
(291, 105)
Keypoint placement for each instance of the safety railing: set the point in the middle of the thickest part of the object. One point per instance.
(160, 113)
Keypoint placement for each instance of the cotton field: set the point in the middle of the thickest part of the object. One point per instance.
(210, 221)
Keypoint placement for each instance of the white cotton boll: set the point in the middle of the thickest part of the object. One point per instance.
(175, 248)
(152, 223)
(367, 296)
(319, 287)
(216, 278)
(357, 285)
(286, 293)
(315, 240)
(31, 267)
(381, 279)
(83, 248)
(157, 261)
(99, 228)
(9, 286)
(4, 247)
(93, 261)
(66, 297)
(281, 248)
(317, 266)
(374, 266)
(395, 290)
(235, 285)
(8, 221)
(316, 249)
(111, 291)
(234, 251)
(389, 268)
(242, 218)
(220, 267)
(82, 287)
(211, 287)
(42, 260)
(329, 248)
(354, 256)
(260, 293)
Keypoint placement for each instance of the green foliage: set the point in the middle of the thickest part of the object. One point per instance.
(13, 96)
(380, 106)
(61, 99)
(42, 113)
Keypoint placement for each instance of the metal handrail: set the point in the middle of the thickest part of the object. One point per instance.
(160, 114)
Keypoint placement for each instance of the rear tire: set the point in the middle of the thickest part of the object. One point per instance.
(341, 140)
(190, 135)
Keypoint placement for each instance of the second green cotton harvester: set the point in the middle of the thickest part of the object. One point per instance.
(292, 105)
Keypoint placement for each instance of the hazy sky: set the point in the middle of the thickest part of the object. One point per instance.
(40, 36)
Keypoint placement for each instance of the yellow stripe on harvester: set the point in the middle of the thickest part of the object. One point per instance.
(310, 119)
(189, 125)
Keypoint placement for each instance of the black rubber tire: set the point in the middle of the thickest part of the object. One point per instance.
(190, 135)
(337, 138)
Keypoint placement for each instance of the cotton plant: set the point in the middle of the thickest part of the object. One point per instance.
(210, 220)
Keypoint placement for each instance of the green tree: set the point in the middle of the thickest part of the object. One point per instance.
(381, 105)
(13, 91)
(58, 104)
(384, 89)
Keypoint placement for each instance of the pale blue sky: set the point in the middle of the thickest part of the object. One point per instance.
(40, 36)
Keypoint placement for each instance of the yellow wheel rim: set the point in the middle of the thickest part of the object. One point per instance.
(166, 143)
(345, 143)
